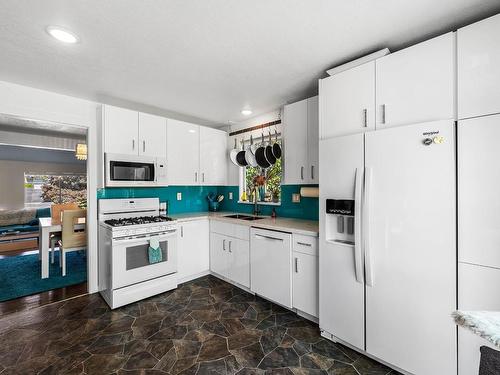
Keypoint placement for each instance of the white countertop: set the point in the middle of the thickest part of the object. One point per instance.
(285, 224)
(483, 323)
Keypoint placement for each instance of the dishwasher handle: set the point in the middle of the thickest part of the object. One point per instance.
(268, 237)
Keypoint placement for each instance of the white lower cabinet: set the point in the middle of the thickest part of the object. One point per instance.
(305, 277)
(230, 252)
(193, 254)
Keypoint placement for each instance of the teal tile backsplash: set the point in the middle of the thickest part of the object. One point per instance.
(194, 199)
(307, 208)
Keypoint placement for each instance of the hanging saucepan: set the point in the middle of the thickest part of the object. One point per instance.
(260, 155)
(233, 153)
(276, 146)
(240, 157)
(249, 155)
(269, 152)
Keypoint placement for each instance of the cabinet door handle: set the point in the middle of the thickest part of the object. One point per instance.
(195, 176)
(304, 244)
(224, 245)
(365, 117)
(296, 265)
(302, 173)
(133, 144)
(312, 172)
(203, 177)
(182, 231)
(143, 146)
(383, 113)
(230, 246)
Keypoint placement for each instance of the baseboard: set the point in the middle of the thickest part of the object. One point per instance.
(242, 287)
(185, 279)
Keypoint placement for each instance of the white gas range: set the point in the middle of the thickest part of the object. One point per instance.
(125, 228)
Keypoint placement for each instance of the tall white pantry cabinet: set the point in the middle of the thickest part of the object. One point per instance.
(478, 82)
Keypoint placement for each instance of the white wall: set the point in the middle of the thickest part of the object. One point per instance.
(29, 103)
(12, 178)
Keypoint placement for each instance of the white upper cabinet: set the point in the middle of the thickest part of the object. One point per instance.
(313, 139)
(478, 55)
(134, 133)
(347, 101)
(152, 135)
(416, 84)
(183, 153)
(301, 140)
(295, 142)
(213, 156)
(120, 131)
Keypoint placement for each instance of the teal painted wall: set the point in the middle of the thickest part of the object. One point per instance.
(194, 200)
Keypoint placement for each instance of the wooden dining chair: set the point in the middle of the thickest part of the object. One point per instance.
(74, 234)
(56, 211)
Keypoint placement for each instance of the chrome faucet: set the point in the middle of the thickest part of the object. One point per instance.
(256, 210)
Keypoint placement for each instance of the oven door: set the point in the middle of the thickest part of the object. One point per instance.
(130, 259)
(124, 170)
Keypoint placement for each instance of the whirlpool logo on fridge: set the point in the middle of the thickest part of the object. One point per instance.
(432, 137)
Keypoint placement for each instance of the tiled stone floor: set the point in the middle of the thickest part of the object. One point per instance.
(204, 327)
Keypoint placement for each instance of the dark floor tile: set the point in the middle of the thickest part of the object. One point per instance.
(213, 348)
(141, 360)
(244, 338)
(249, 356)
(280, 357)
(206, 326)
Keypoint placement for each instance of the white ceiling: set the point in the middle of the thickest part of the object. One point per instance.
(207, 59)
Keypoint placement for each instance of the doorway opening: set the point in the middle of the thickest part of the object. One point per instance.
(43, 217)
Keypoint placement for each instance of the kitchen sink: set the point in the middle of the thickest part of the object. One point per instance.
(238, 216)
(251, 218)
(244, 217)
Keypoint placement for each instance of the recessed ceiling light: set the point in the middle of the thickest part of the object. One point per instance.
(192, 131)
(62, 35)
(246, 112)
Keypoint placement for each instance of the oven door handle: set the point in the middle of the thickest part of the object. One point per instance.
(145, 238)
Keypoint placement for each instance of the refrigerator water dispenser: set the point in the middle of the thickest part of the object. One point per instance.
(340, 221)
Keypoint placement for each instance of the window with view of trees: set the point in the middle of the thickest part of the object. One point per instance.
(43, 190)
(266, 183)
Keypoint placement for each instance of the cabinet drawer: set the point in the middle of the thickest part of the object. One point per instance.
(221, 227)
(305, 244)
(229, 229)
(242, 232)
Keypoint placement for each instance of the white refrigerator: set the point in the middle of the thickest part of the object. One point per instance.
(388, 245)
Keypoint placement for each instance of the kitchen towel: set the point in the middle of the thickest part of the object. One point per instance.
(154, 250)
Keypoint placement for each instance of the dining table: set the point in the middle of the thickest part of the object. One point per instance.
(47, 226)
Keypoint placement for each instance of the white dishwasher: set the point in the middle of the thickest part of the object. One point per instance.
(271, 265)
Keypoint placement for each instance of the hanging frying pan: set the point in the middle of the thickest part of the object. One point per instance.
(249, 154)
(269, 152)
(260, 155)
(240, 157)
(276, 146)
(233, 153)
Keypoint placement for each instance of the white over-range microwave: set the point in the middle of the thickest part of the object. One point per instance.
(133, 170)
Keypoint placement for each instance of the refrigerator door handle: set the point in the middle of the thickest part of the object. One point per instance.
(358, 258)
(366, 226)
